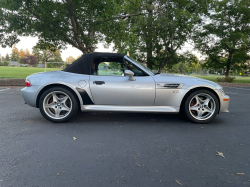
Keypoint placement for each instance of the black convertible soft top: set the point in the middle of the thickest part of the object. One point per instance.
(83, 64)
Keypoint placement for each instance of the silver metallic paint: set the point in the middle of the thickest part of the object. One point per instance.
(119, 90)
(122, 92)
(170, 109)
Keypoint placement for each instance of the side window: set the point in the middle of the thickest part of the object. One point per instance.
(111, 69)
(137, 71)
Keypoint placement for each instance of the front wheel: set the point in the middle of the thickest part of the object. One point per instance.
(200, 106)
(58, 105)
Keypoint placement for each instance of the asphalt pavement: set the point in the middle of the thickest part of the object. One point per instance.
(103, 149)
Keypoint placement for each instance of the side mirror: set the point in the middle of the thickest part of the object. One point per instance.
(130, 74)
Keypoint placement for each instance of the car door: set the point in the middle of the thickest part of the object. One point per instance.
(111, 87)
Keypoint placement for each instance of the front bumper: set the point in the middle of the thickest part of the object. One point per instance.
(224, 101)
(29, 95)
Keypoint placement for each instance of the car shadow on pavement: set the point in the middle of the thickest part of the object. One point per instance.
(139, 118)
(100, 118)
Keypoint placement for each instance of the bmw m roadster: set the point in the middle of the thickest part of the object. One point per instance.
(116, 82)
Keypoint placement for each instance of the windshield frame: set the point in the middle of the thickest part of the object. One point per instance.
(140, 65)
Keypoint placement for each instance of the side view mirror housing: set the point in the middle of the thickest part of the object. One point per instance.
(130, 74)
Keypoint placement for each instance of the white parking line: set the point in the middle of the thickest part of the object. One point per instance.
(239, 88)
(4, 89)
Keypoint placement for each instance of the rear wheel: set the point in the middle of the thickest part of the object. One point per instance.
(200, 106)
(58, 104)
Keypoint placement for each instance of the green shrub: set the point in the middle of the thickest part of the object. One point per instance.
(6, 63)
(225, 79)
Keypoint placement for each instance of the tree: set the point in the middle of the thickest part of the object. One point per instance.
(21, 53)
(225, 38)
(6, 63)
(26, 52)
(57, 23)
(70, 59)
(7, 57)
(46, 55)
(14, 54)
(156, 36)
(29, 59)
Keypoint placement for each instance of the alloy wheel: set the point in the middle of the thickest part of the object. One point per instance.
(202, 106)
(57, 105)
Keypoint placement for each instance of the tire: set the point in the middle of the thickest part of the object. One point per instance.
(200, 106)
(58, 104)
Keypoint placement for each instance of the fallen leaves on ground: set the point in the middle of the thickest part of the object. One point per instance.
(138, 164)
(240, 173)
(220, 154)
(178, 182)
(74, 138)
(14, 167)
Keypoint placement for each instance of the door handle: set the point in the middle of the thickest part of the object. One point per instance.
(98, 82)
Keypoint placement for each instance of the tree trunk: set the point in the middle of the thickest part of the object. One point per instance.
(229, 60)
(149, 42)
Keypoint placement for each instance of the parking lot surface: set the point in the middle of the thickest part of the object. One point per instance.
(123, 149)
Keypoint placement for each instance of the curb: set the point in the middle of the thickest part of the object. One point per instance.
(12, 82)
(225, 84)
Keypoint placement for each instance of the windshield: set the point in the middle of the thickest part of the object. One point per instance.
(141, 65)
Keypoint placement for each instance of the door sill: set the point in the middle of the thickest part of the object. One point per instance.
(170, 109)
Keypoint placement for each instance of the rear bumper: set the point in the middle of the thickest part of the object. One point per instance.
(29, 95)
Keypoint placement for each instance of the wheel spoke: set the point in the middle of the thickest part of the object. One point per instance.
(198, 100)
(64, 99)
(196, 108)
(51, 105)
(57, 112)
(207, 109)
(206, 102)
(199, 113)
(55, 98)
(65, 108)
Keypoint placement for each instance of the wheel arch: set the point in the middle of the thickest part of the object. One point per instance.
(199, 88)
(74, 92)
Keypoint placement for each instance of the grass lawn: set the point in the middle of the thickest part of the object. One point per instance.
(214, 78)
(20, 72)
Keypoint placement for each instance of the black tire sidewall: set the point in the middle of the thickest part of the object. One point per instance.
(185, 107)
(72, 97)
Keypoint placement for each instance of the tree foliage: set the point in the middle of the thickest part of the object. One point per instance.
(70, 59)
(7, 57)
(29, 59)
(157, 35)
(46, 55)
(225, 38)
(15, 54)
(56, 23)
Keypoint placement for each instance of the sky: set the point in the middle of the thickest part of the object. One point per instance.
(29, 42)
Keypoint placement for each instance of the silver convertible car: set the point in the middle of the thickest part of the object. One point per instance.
(116, 82)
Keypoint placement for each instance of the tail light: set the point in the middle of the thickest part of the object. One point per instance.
(27, 82)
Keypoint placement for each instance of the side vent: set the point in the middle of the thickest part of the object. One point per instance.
(169, 85)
